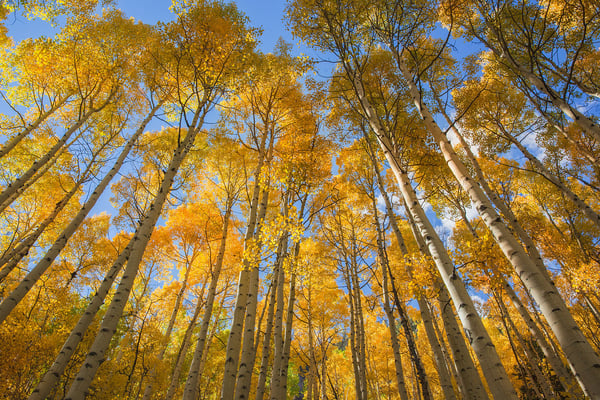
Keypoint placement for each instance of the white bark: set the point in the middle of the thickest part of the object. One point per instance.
(193, 377)
(581, 356)
(235, 334)
(51, 377)
(496, 375)
(15, 140)
(40, 268)
(97, 351)
(7, 195)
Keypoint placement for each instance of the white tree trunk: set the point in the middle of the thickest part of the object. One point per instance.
(15, 140)
(496, 375)
(193, 377)
(581, 356)
(51, 377)
(40, 268)
(97, 351)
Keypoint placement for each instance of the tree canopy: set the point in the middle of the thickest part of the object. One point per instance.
(413, 211)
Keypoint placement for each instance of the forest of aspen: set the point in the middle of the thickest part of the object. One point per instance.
(408, 208)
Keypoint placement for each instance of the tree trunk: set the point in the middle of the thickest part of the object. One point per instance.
(287, 342)
(248, 355)
(443, 373)
(193, 377)
(278, 337)
(40, 268)
(179, 298)
(393, 336)
(235, 334)
(532, 358)
(579, 352)
(95, 356)
(579, 203)
(15, 140)
(185, 344)
(565, 378)
(467, 372)
(484, 348)
(266, 349)
(6, 197)
(51, 377)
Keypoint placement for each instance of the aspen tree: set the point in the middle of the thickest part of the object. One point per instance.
(195, 26)
(577, 349)
(343, 38)
(44, 263)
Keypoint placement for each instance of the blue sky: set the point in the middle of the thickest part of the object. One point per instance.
(267, 14)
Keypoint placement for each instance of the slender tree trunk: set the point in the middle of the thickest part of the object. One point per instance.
(179, 298)
(553, 359)
(588, 125)
(408, 333)
(40, 268)
(532, 359)
(266, 349)
(443, 373)
(15, 140)
(185, 344)
(11, 189)
(14, 195)
(248, 355)
(287, 342)
(278, 337)
(393, 336)
(460, 388)
(467, 372)
(579, 203)
(582, 358)
(97, 351)
(438, 355)
(495, 373)
(235, 334)
(193, 377)
(51, 377)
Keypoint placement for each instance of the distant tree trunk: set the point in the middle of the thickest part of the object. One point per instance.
(408, 333)
(287, 342)
(266, 349)
(393, 336)
(467, 371)
(179, 298)
(532, 359)
(248, 355)
(234, 340)
(553, 359)
(193, 377)
(185, 344)
(278, 337)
